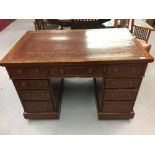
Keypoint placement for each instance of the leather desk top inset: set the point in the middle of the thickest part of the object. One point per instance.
(98, 45)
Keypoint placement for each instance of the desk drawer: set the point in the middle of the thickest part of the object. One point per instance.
(117, 106)
(31, 84)
(125, 71)
(120, 94)
(122, 83)
(63, 71)
(38, 106)
(34, 94)
(28, 72)
(91, 71)
(77, 71)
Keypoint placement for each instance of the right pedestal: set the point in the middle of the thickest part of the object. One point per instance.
(116, 92)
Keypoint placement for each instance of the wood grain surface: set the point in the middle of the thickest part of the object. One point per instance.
(98, 45)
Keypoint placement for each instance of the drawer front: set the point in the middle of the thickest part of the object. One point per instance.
(38, 106)
(126, 71)
(62, 71)
(76, 71)
(122, 83)
(90, 71)
(31, 84)
(117, 106)
(120, 94)
(34, 94)
(28, 72)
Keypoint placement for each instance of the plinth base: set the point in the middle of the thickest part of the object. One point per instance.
(102, 116)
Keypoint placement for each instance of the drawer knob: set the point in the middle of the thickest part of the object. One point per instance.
(112, 95)
(27, 94)
(42, 94)
(128, 94)
(23, 84)
(37, 70)
(125, 106)
(19, 71)
(115, 70)
(40, 84)
(113, 82)
(130, 82)
(31, 106)
(61, 71)
(133, 69)
(45, 106)
(90, 70)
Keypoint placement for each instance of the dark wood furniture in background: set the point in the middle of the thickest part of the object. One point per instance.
(38, 63)
(88, 23)
(46, 24)
(151, 22)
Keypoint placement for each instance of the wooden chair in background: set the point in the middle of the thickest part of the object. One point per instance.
(88, 23)
(39, 24)
(142, 34)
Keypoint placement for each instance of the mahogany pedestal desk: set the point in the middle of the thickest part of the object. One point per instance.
(40, 60)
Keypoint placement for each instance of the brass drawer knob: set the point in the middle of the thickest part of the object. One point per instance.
(133, 69)
(27, 94)
(113, 82)
(61, 71)
(112, 95)
(45, 106)
(40, 84)
(90, 70)
(19, 71)
(42, 94)
(130, 82)
(23, 84)
(37, 71)
(115, 70)
(128, 94)
(31, 106)
(125, 106)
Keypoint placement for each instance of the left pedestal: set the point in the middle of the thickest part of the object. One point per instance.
(40, 95)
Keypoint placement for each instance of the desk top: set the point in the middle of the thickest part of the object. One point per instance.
(73, 46)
